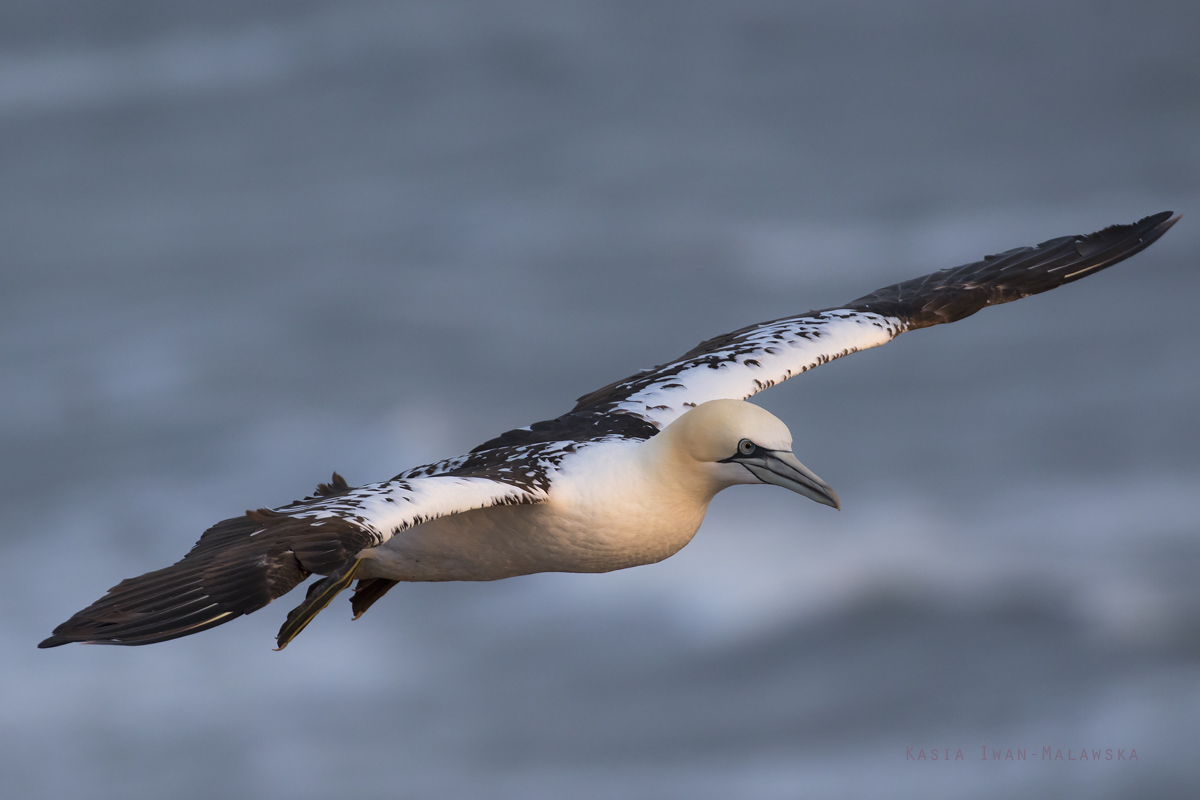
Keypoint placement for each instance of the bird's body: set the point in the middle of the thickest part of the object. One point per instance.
(623, 479)
(610, 504)
(578, 528)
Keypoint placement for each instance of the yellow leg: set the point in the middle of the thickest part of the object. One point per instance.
(322, 594)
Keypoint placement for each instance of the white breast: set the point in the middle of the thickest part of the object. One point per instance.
(609, 508)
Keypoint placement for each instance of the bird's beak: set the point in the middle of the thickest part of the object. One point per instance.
(783, 469)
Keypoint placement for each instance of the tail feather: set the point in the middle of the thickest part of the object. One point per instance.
(367, 592)
(319, 596)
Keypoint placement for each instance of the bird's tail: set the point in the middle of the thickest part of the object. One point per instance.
(320, 594)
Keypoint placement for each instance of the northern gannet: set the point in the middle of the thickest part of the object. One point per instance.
(622, 479)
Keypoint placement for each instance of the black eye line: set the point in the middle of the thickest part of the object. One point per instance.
(739, 454)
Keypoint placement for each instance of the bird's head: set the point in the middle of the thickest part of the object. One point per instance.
(735, 442)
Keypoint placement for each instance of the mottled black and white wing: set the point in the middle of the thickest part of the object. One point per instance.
(242, 564)
(746, 361)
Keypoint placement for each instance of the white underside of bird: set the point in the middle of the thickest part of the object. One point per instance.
(612, 504)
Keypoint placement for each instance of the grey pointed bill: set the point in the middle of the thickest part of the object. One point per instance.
(783, 469)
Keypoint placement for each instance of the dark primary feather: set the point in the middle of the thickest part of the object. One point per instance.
(952, 294)
(945, 296)
(238, 566)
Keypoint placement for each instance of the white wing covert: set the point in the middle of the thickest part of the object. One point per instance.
(242, 564)
(746, 361)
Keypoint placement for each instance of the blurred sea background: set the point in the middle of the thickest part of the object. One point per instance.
(245, 244)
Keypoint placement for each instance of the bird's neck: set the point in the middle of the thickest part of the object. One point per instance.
(668, 460)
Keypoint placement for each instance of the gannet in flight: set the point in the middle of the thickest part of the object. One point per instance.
(624, 478)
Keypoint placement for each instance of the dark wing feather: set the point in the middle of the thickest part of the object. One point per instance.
(238, 566)
(746, 361)
(242, 564)
(952, 294)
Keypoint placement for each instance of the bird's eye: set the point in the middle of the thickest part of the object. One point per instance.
(746, 447)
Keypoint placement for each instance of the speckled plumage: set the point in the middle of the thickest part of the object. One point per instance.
(622, 479)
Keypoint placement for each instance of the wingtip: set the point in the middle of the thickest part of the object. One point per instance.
(1121, 241)
(1156, 223)
(1160, 223)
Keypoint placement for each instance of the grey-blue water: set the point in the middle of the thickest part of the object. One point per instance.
(243, 245)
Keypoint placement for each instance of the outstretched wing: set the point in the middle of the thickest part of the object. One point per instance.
(746, 361)
(241, 564)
